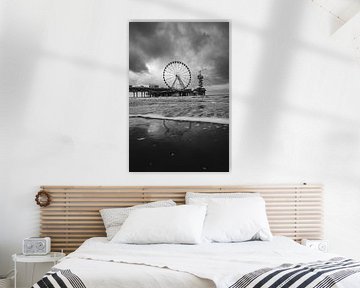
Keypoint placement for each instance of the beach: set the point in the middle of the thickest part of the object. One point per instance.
(160, 145)
(179, 134)
(214, 106)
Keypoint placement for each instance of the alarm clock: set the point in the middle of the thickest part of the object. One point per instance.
(36, 246)
(320, 245)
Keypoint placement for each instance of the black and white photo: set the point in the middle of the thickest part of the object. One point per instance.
(179, 96)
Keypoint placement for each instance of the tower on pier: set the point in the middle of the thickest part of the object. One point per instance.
(200, 90)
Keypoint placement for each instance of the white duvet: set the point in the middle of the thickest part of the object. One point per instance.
(100, 263)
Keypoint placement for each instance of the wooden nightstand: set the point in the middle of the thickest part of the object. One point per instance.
(53, 257)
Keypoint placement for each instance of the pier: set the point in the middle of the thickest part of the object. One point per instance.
(146, 92)
(177, 77)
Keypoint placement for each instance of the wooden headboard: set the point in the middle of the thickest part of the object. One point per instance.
(73, 215)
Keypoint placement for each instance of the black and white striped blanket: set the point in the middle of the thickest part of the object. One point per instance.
(320, 274)
(57, 278)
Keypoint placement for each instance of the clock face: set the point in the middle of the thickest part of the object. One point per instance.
(323, 247)
(29, 245)
(40, 245)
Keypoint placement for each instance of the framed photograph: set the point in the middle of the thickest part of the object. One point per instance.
(179, 96)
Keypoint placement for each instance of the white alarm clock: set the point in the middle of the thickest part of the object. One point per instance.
(320, 245)
(36, 246)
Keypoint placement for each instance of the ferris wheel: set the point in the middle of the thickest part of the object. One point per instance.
(177, 75)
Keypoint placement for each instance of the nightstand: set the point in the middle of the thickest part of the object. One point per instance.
(320, 245)
(53, 257)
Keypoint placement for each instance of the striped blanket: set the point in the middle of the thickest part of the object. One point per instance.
(320, 274)
(59, 278)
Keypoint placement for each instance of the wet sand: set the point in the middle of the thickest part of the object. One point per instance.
(160, 145)
(214, 106)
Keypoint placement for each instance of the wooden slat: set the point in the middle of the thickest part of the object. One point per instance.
(73, 216)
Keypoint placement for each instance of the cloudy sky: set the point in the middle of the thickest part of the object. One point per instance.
(200, 45)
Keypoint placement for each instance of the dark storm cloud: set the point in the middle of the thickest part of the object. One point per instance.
(221, 56)
(143, 28)
(198, 38)
(221, 69)
(147, 41)
(136, 63)
(151, 38)
(202, 45)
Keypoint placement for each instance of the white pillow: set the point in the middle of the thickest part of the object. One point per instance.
(236, 220)
(203, 198)
(113, 218)
(180, 224)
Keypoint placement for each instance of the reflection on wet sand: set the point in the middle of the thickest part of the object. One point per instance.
(161, 145)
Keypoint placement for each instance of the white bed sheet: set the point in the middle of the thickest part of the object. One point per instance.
(103, 274)
(100, 263)
(110, 274)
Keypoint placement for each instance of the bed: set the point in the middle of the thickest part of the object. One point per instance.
(99, 263)
(294, 212)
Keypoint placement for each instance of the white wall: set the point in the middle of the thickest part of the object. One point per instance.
(64, 107)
